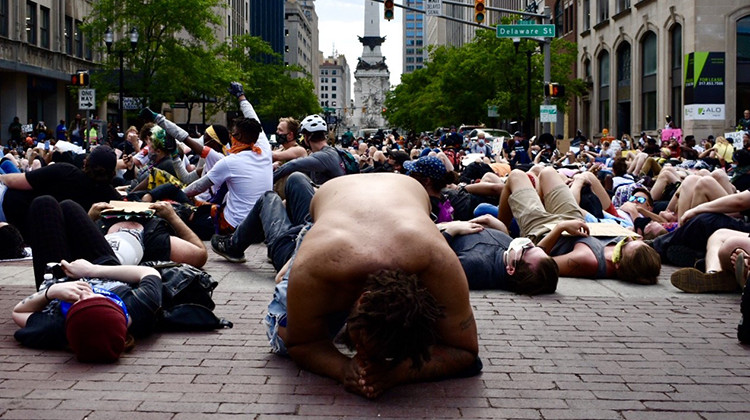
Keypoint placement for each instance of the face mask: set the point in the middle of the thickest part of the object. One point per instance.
(516, 245)
(481, 142)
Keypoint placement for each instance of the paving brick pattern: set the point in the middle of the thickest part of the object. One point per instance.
(630, 354)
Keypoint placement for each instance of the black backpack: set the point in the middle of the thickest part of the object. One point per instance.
(186, 298)
(348, 163)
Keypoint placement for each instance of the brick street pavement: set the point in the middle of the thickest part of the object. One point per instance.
(594, 350)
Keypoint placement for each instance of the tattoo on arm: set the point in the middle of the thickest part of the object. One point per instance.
(28, 298)
(466, 323)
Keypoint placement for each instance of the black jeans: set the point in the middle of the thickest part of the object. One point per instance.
(64, 231)
(694, 234)
(277, 224)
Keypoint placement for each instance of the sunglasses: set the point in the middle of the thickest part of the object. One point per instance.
(520, 246)
(617, 252)
(638, 199)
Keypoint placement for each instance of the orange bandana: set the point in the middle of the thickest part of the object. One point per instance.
(238, 146)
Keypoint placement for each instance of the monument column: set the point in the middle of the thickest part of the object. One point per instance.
(372, 78)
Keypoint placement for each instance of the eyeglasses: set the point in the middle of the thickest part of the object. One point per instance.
(639, 199)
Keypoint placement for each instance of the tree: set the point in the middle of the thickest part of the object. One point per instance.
(459, 83)
(178, 58)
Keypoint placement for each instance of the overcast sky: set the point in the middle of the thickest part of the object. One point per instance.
(340, 22)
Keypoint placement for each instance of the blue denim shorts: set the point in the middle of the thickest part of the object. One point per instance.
(276, 316)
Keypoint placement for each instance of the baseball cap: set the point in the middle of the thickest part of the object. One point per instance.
(518, 134)
(127, 246)
(96, 329)
(104, 157)
(429, 166)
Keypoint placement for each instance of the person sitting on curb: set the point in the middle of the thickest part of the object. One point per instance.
(408, 318)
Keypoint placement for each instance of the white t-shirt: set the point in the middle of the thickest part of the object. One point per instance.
(210, 157)
(248, 175)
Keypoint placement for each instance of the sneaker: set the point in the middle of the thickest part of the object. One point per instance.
(695, 281)
(743, 330)
(220, 245)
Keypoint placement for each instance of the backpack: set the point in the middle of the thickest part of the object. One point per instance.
(186, 298)
(348, 163)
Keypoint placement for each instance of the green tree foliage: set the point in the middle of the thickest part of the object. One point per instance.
(459, 83)
(179, 59)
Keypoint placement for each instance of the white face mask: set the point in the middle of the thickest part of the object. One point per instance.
(516, 245)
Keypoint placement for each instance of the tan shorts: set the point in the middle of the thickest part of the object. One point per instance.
(531, 215)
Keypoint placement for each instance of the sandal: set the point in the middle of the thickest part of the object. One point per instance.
(740, 275)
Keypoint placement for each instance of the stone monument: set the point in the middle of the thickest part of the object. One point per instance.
(372, 78)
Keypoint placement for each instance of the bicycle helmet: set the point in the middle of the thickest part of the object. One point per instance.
(313, 124)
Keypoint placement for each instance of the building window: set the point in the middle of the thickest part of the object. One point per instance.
(623, 65)
(623, 5)
(603, 90)
(4, 18)
(558, 18)
(31, 22)
(68, 35)
(333, 95)
(44, 27)
(586, 12)
(333, 87)
(676, 75)
(333, 72)
(648, 87)
(602, 10)
(78, 35)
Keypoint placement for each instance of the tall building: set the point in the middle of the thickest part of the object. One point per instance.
(415, 47)
(649, 58)
(301, 37)
(42, 45)
(335, 90)
(266, 18)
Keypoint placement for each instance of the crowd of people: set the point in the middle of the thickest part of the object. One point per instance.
(462, 215)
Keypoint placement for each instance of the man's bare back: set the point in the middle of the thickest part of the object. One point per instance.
(363, 224)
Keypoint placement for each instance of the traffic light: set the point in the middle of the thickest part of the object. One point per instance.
(388, 9)
(479, 11)
(80, 78)
(554, 90)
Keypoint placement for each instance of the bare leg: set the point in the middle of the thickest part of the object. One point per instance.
(723, 179)
(667, 176)
(492, 177)
(517, 180)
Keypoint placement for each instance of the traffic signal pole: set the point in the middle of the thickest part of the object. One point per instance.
(546, 16)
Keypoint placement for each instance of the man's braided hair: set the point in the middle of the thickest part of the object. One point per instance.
(396, 315)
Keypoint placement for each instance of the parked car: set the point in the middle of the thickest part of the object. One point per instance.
(490, 134)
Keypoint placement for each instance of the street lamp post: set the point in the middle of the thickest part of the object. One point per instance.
(108, 40)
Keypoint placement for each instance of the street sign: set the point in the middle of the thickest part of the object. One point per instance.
(548, 113)
(492, 111)
(525, 31)
(433, 7)
(87, 99)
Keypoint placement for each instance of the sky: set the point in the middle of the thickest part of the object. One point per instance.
(340, 22)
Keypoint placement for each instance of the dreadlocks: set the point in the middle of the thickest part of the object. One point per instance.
(396, 317)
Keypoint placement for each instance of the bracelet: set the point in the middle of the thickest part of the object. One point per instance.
(45, 293)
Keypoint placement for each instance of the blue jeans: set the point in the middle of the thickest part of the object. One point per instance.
(277, 224)
(7, 167)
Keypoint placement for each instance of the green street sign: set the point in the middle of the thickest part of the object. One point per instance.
(525, 31)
